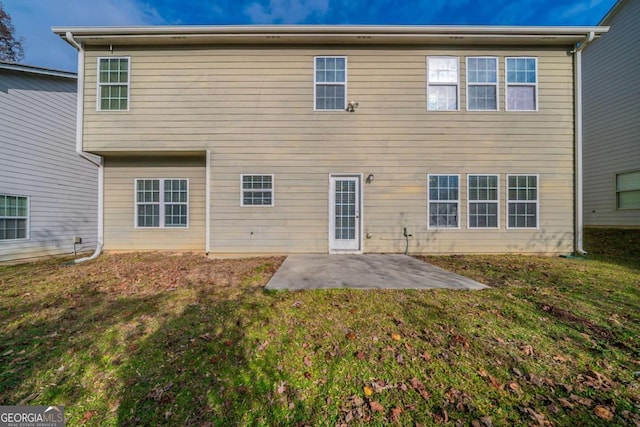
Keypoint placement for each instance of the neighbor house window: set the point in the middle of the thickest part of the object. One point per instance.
(628, 190)
(442, 83)
(483, 201)
(14, 217)
(330, 82)
(257, 190)
(113, 84)
(482, 84)
(444, 201)
(162, 203)
(522, 201)
(522, 84)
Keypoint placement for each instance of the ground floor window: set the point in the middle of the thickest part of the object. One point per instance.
(14, 217)
(256, 190)
(483, 201)
(162, 203)
(444, 201)
(522, 201)
(628, 190)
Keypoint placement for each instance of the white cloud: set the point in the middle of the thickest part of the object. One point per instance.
(33, 20)
(286, 11)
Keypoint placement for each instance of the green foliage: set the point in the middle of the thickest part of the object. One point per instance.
(152, 339)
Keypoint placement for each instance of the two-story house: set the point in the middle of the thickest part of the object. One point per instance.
(48, 202)
(612, 121)
(334, 139)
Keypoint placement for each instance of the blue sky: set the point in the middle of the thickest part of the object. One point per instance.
(33, 19)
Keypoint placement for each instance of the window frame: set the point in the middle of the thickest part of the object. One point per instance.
(272, 190)
(534, 85)
(161, 203)
(27, 218)
(316, 83)
(429, 201)
(617, 192)
(99, 84)
(510, 202)
(496, 201)
(496, 84)
(457, 83)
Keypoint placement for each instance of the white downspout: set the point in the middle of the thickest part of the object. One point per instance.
(207, 244)
(96, 160)
(578, 142)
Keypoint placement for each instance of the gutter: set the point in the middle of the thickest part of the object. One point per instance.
(577, 58)
(96, 160)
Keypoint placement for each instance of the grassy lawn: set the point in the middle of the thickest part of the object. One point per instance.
(152, 339)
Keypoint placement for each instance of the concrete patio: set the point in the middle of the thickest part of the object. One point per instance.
(370, 271)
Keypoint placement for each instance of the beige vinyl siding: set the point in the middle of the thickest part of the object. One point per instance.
(611, 78)
(253, 108)
(120, 233)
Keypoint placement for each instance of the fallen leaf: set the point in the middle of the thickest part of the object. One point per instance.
(306, 360)
(399, 359)
(494, 382)
(559, 358)
(396, 337)
(426, 356)
(499, 340)
(87, 416)
(581, 400)
(307, 375)
(376, 407)
(282, 387)
(527, 350)
(483, 373)
(368, 391)
(395, 414)
(475, 423)
(360, 355)
(603, 412)
(565, 403)
(487, 422)
(351, 335)
(514, 386)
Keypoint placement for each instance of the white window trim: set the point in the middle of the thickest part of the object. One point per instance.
(537, 201)
(497, 202)
(99, 85)
(160, 202)
(507, 84)
(28, 218)
(429, 227)
(457, 84)
(616, 191)
(273, 190)
(315, 83)
(496, 84)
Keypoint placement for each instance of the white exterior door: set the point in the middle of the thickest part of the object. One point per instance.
(344, 213)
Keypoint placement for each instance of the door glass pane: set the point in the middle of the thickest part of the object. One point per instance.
(345, 209)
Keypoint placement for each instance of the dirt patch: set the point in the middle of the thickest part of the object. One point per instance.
(151, 273)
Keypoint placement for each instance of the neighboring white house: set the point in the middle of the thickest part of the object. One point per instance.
(611, 81)
(48, 194)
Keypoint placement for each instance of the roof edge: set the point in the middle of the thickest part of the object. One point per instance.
(37, 70)
(613, 12)
(327, 29)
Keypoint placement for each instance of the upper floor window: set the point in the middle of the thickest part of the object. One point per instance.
(330, 77)
(14, 217)
(444, 201)
(442, 83)
(628, 190)
(257, 190)
(522, 84)
(483, 201)
(113, 84)
(522, 201)
(482, 84)
(162, 203)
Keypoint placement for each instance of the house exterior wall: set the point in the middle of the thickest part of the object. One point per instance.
(38, 160)
(253, 109)
(121, 233)
(611, 77)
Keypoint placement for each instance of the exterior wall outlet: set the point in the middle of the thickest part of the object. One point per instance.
(77, 240)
